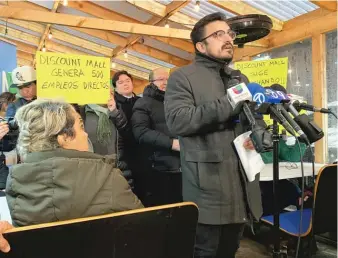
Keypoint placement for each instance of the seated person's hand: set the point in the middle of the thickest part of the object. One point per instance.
(4, 129)
(4, 246)
(248, 145)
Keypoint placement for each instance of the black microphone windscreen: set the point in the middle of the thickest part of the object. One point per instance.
(312, 131)
(278, 87)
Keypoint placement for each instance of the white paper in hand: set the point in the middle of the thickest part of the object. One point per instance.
(251, 160)
(4, 210)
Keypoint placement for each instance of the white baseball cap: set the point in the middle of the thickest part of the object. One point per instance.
(23, 76)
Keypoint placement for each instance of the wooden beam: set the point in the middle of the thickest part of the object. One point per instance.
(24, 55)
(33, 26)
(328, 5)
(319, 92)
(91, 23)
(167, 11)
(7, 41)
(138, 47)
(60, 35)
(25, 47)
(132, 71)
(100, 12)
(151, 6)
(160, 10)
(158, 54)
(81, 43)
(105, 35)
(323, 25)
(22, 62)
(295, 30)
(139, 62)
(239, 7)
(44, 35)
(13, 33)
(55, 47)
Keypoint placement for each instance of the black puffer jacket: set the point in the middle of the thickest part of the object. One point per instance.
(128, 160)
(150, 129)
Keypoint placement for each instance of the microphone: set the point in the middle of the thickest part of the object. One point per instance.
(307, 130)
(294, 125)
(267, 98)
(308, 107)
(239, 96)
(289, 107)
(261, 94)
(299, 104)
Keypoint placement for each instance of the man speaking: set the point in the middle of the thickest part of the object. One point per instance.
(198, 111)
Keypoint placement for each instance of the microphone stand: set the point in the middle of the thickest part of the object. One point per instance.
(277, 252)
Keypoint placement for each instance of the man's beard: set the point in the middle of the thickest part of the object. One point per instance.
(224, 59)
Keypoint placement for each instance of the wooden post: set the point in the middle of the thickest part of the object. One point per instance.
(319, 92)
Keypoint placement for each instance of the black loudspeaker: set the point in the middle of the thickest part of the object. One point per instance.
(250, 27)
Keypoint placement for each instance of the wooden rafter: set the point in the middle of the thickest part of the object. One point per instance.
(47, 29)
(319, 91)
(328, 5)
(99, 49)
(22, 62)
(134, 72)
(239, 7)
(100, 12)
(297, 29)
(17, 34)
(170, 9)
(25, 56)
(22, 46)
(138, 61)
(90, 23)
(158, 10)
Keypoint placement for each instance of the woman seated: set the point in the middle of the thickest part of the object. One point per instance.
(59, 179)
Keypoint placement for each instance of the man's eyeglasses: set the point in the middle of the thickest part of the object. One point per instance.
(220, 35)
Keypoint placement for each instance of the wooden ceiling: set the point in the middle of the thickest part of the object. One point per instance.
(149, 44)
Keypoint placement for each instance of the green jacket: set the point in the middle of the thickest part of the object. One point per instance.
(66, 184)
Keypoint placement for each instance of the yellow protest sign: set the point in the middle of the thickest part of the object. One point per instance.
(78, 79)
(265, 72)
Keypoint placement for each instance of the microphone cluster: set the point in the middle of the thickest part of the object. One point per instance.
(253, 98)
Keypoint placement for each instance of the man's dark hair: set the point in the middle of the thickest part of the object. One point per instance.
(197, 32)
(117, 76)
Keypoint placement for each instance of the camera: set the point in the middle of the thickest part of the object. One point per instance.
(12, 124)
(8, 142)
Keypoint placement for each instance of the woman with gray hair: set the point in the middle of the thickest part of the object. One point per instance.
(59, 179)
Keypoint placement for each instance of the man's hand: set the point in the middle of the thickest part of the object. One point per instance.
(248, 145)
(4, 129)
(111, 104)
(4, 246)
(176, 145)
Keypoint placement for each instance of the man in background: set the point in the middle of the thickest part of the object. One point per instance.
(164, 181)
(24, 78)
(129, 161)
